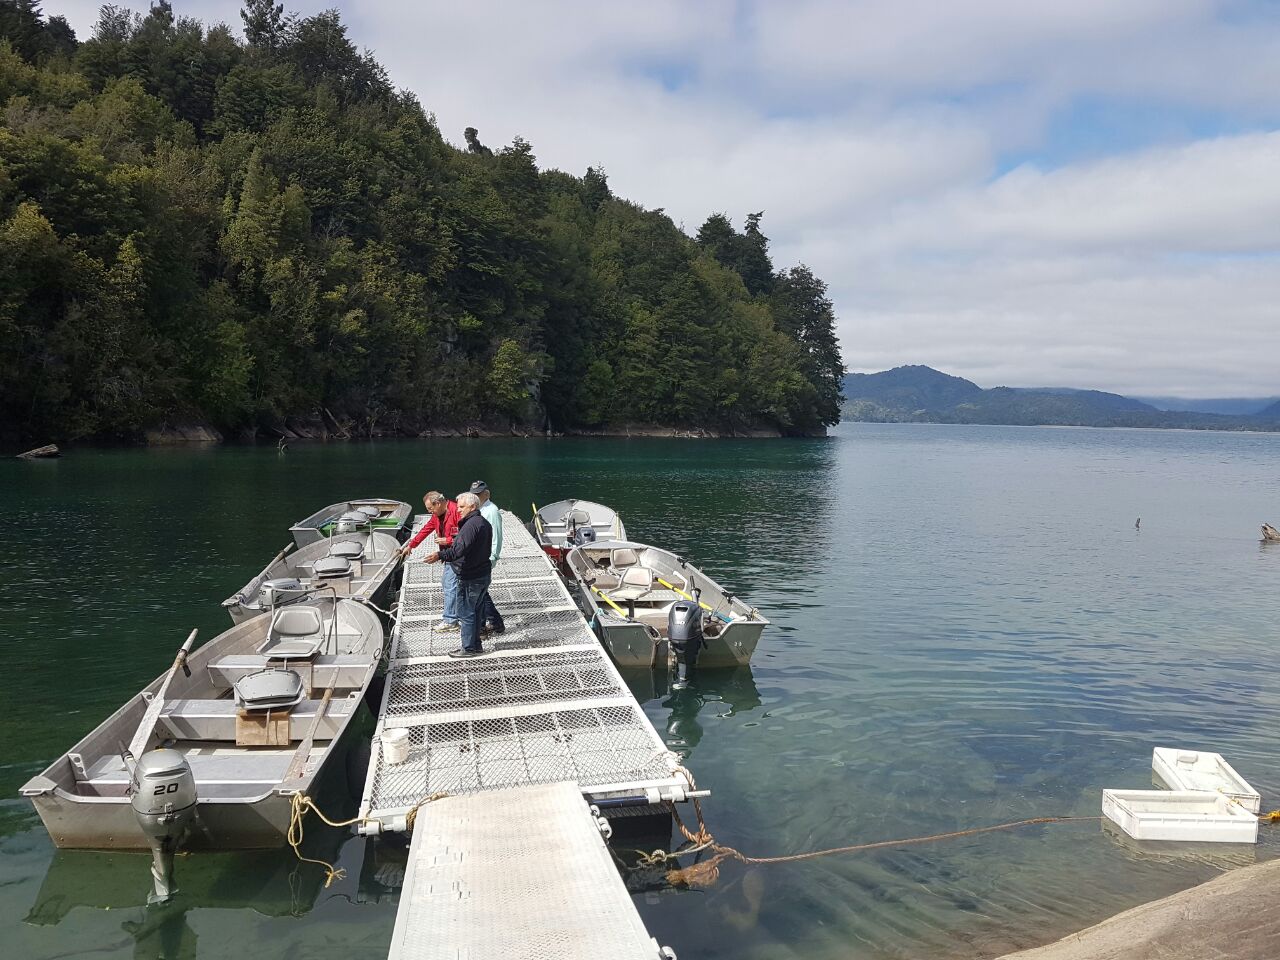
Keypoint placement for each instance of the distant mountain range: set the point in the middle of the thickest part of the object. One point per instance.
(919, 394)
(1232, 406)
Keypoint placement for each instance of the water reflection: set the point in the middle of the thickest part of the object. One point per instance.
(1219, 856)
(728, 691)
(272, 883)
(383, 868)
(162, 934)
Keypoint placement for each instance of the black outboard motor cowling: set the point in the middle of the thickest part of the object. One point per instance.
(584, 535)
(684, 630)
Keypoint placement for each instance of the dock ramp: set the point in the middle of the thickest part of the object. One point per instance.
(516, 873)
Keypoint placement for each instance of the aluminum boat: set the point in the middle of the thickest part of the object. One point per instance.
(566, 523)
(388, 516)
(256, 713)
(356, 561)
(627, 591)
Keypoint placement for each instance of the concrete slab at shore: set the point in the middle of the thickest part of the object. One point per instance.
(1232, 917)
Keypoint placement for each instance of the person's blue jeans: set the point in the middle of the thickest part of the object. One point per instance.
(449, 581)
(471, 594)
(489, 613)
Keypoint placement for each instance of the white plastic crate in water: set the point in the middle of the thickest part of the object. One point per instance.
(1179, 815)
(1197, 770)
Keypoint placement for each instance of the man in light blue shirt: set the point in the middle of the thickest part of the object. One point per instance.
(489, 510)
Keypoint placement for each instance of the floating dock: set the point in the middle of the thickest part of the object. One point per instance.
(522, 741)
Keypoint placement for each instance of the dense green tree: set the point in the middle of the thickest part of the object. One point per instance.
(746, 253)
(195, 227)
(31, 35)
(266, 27)
(804, 312)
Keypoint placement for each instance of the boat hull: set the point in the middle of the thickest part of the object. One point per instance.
(630, 645)
(108, 823)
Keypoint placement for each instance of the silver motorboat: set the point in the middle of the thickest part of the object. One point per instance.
(355, 561)
(250, 719)
(387, 516)
(634, 594)
(566, 523)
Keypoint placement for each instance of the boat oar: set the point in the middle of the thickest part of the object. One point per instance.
(298, 764)
(704, 606)
(537, 520)
(149, 719)
(607, 599)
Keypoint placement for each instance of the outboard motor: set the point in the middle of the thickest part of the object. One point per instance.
(163, 797)
(353, 521)
(279, 591)
(584, 535)
(684, 631)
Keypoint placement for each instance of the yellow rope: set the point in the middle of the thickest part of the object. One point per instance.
(411, 817)
(298, 807)
(301, 803)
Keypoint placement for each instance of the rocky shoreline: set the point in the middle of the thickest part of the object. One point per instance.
(324, 429)
(1230, 916)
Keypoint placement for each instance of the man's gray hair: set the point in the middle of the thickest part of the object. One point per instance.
(467, 500)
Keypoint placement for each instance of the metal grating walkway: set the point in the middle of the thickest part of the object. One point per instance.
(518, 874)
(511, 863)
(545, 703)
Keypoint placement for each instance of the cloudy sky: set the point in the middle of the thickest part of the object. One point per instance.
(1025, 193)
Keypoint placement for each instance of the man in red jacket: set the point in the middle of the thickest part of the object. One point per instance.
(443, 522)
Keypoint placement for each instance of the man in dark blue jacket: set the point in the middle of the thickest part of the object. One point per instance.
(469, 557)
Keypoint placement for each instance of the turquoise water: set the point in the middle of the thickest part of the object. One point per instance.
(967, 630)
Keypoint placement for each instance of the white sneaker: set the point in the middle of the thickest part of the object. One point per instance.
(445, 626)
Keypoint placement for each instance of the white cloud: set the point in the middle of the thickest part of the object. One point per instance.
(870, 131)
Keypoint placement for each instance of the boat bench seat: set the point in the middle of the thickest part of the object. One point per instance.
(216, 719)
(346, 670)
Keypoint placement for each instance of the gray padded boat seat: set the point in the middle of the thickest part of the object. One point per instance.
(328, 567)
(270, 689)
(622, 557)
(350, 549)
(296, 633)
(636, 582)
(369, 511)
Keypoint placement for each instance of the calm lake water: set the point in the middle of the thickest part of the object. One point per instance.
(967, 630)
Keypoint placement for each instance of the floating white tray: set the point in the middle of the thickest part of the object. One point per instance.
(1179, 815)
(1197, 770)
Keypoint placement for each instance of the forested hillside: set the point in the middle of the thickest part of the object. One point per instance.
(196, 227)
